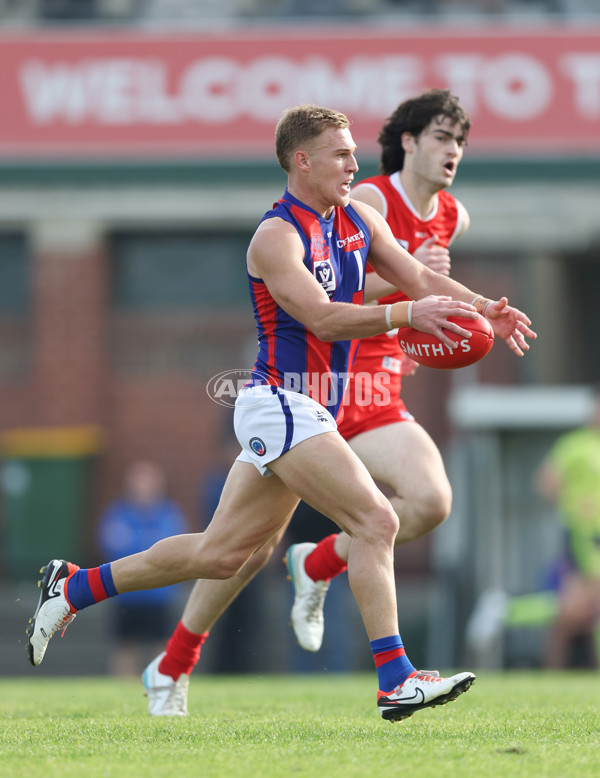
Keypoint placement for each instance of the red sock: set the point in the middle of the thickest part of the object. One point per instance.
(183, 652)
(323, 563)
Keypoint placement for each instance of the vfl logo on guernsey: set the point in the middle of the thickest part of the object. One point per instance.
(322, 267)
(325, 276)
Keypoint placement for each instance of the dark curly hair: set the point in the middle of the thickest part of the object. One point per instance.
(413, 116)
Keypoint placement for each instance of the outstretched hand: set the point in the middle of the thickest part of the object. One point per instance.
(510, 324)
(430, 314)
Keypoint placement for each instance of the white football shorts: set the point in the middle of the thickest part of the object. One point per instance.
(268, 421)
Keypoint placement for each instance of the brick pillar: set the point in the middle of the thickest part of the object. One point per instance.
(70, 298)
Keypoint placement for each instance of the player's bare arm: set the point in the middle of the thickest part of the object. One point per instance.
(368, 194)
(465, 219)
(375, 285)
(276, 256)
(400, 268)
(430, 253)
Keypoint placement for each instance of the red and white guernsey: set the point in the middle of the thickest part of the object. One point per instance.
(382, 353)
(289, 355)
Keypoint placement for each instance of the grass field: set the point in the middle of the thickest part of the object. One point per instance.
(515, 724)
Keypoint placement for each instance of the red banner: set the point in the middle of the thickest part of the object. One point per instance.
(79, 95)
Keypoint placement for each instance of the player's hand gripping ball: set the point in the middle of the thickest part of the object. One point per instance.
(429, 350)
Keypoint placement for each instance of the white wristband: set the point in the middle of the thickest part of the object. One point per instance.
(480, 303)
(409, 313)
(388, 316)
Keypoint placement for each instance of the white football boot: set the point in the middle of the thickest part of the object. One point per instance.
(166, 697)
(422, 691)
(53, 612)
(309, 597)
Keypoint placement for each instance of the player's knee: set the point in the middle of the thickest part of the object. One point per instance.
(226, 566)
(382, 525)
(434, 506)
(214, 561)
(258, 560)
(391, 527)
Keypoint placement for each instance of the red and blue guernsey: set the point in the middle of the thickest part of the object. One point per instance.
(290, 356)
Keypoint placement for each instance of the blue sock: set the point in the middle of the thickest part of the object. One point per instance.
(393, 666)
(86, 587)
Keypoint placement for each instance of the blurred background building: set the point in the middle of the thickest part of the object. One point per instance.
(136, 158)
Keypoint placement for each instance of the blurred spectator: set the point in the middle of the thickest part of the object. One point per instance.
(143, 515)
(568, 602)
(569, 477)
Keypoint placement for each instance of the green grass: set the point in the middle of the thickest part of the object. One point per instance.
(526, 725)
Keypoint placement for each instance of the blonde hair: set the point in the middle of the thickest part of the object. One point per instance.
(300, 125)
